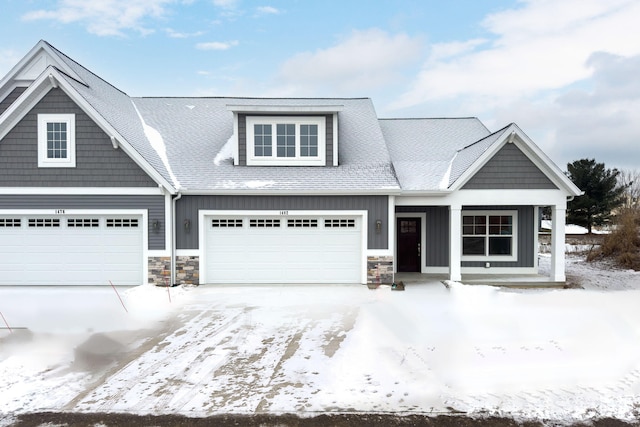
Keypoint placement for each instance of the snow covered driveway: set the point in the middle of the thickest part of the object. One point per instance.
(553, 354)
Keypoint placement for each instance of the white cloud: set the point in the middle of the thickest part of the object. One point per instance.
(363, 61)
(216, 45)
(543, 45)
(268, 10)
(178, 35)
(104, 17)
(8, 58)
(226, 4)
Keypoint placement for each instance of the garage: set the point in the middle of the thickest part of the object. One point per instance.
(71, 249)
(283, 249)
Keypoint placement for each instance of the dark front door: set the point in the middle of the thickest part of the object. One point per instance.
(408, 244)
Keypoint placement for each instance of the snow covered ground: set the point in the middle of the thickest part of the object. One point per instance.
(559, 354)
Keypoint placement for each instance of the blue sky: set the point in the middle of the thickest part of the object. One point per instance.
(566, 71)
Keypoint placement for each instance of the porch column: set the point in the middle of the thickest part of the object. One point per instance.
(455, 242)
(558, 219)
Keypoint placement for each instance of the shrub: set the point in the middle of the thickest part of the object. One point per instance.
(623, 244)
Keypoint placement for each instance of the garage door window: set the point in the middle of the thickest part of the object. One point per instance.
(83, 222)
(226, 223)
(302, 223)
(10, 222)
(339, 223)
(122, 222)
(264, 223)
(44, 222)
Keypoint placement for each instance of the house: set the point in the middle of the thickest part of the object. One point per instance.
(97, 187)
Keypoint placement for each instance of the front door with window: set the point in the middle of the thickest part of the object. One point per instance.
(409, 244)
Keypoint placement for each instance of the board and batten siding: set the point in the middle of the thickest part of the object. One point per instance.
(12, 96)
(98, 164)
(437, 235)
(187, 208)
(242, 136)
(509, 168)
(153, 204)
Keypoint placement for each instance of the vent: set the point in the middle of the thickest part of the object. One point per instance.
(339, 223)
(83, 222)
(264, 223)
(226, 223)
(10, 222)
(44, 222)
(122, 222)
(302, 223)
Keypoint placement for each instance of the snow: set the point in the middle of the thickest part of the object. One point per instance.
(226, 152)
(562, 355)
(157, 143)
(572, 228)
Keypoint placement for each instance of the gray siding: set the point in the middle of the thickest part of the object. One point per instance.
(242, 137)
(8, 100)
(509, 168)
(437, 233)
(153, 204)
(188, 206)
(98, 164)
(526, 237)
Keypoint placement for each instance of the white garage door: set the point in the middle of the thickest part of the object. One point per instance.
(252, 249)
(71, 249)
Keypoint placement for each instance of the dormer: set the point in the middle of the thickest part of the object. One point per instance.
(286, 135)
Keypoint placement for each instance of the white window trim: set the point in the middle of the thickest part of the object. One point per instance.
(70, 160)
(273, 160)
(514, 237)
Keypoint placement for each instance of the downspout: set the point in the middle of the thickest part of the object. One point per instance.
(173, 238)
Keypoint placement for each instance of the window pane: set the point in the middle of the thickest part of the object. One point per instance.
(473, 246)
(262, 140)
(467, 229)
(499, 245)
(308, 140)
(480, 229)
(286, 140)
(56, 140)
(467, 220)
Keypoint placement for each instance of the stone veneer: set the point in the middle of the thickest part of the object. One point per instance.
(379, 270)
(188, 270)
(160, 270)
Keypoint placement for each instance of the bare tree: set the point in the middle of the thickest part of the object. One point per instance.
(631, 180)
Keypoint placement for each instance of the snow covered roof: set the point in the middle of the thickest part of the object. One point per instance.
(188, 144)
(423, 150)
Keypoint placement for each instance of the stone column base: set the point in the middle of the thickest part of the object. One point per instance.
(160, 270)
(379, 270)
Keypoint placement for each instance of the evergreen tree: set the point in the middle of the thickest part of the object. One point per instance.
(602, 194)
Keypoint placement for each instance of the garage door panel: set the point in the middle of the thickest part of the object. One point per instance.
(82, 250)
(301, 250)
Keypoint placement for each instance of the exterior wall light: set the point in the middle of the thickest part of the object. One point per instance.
(155, 224)
(187, 224)
(378, 226)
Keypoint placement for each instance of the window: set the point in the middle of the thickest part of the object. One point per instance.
(122, 222)
(339, 223)
(489, 235)
(286, 141)
(264, 223)
(56, 141)
(226, 223)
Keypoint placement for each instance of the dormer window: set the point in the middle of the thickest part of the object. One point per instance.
(286, 141)
(56, 141)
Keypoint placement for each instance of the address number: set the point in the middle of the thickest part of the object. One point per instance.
(284, 212)
(59, 211)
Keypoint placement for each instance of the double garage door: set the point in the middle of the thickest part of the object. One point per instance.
(283, 249)
(71, 249)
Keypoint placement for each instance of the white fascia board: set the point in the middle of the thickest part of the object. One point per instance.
(98, 191)
(259, 192)
(25, 102)
(516, 197)
(41, 87)
(543, 162)
(285, 108)
(41, 46)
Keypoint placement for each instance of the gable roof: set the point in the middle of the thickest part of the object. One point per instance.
(109, 107)
(188, 144)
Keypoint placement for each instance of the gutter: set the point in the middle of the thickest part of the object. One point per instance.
(173, 237)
